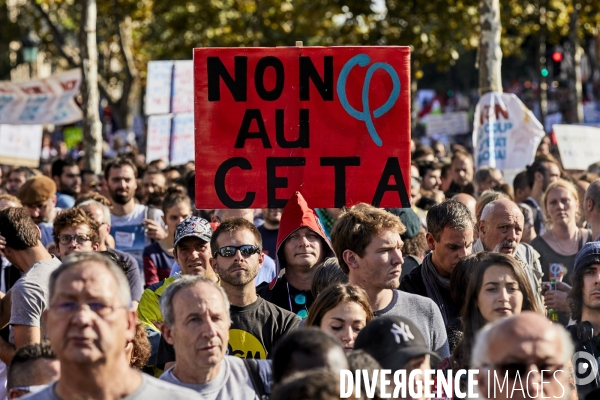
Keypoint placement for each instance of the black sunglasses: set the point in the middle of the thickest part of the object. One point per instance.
(229, 251)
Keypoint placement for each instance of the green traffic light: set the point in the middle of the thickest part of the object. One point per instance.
(544, 72)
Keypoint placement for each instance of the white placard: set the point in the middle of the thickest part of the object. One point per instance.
(453, 123)
(183, 87)
(182, 139)
(577, 145)
(505, 133)
(21, 145)
(158, 87)
(158, 140)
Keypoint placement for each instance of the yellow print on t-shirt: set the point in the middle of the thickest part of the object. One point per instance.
(243, 344)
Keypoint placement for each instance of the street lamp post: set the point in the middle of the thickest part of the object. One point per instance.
(30, 48)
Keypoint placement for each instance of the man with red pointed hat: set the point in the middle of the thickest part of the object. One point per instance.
(301, 246)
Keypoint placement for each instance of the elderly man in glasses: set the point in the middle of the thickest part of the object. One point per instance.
(256, 324)
(523, 357)
(90, 319)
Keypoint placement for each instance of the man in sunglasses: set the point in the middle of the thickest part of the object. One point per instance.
(301, 246)
(191, 248)
(23, 305)
(256, 324)
(523, 357)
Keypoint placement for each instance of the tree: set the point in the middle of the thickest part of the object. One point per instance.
(490, 54)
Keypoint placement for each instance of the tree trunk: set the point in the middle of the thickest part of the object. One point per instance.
(575, 87)
(489, 52)
(92, 128)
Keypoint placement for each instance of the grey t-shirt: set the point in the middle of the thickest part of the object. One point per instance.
(232, 383)
(29, 295)
(151, 389)
(425, 314)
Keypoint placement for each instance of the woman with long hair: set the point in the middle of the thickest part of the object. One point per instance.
(498, 288)
(342, 311)
(158, 256)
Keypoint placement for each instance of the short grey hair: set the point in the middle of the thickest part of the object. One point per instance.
(449, 213)
(479, 355)
(593, 193)
(105, 209)
(184, 282)
(78, 259)
(489, 208)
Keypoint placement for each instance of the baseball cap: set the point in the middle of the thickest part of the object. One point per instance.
(193, 226)
(410, 219)
(393, 341)
(588, 255)
(36, 190)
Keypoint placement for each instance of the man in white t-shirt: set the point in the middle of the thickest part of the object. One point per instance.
(132, 225)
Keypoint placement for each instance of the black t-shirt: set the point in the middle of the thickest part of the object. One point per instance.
(269, 239)
(255, 329)
(287, 297)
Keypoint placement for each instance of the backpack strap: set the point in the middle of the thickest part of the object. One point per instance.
(257, 382)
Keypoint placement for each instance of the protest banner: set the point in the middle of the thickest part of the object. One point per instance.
(182, 139)
(158, 139)
(183, 87)
(41, 101)
(453, 123)
(21, 145)
(330, 122)
(576, 144)
(505, 134)
(158, 87)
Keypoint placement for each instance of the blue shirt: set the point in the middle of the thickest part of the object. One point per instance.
(64, 200)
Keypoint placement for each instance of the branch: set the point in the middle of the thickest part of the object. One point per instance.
(103, 86)
(57, 36)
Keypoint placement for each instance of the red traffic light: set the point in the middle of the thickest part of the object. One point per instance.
(557, 56)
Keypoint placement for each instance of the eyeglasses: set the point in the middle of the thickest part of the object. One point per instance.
(30, 388)
(512, 369)
(229, 251)
(69, 308)
(67, 239)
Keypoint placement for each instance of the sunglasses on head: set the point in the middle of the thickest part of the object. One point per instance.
(229, 251)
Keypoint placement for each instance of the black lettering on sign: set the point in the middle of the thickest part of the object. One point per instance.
(392, 169)
(217, 71)
(339, 164)
(259, 78)
(244, 133)
(309, 72)
(303, 137)
(220, 176)
(275, 182)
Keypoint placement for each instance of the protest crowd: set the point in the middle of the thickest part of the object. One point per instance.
(116, 286)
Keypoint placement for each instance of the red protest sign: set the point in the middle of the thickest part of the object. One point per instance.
(330, 122)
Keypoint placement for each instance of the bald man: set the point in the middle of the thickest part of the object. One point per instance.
(468, 201)
(501, 230)
(535, 344)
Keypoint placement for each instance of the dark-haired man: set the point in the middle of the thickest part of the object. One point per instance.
(539, 176)
(132, 225)
(32, 368)
(66, 175)
(23, 305)
(16, 178)
(153, 181)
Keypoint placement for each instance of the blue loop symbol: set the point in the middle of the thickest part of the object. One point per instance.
(555, 269)
(364, 60)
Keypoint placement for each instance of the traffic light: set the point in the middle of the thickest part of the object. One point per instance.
(557, 56)
(544, 72)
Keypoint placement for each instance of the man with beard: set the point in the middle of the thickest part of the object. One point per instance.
(66, 175)
(270, 229)
(132, 225)
(256, 324)
(369, 250)
(153, 181)
(539, 175)
(500, 230)
(38, 196)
